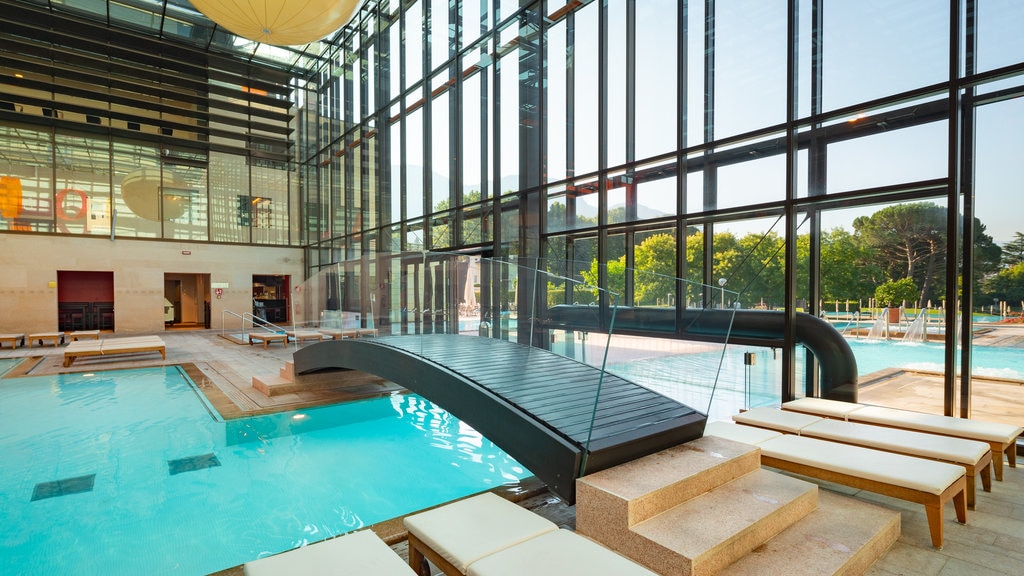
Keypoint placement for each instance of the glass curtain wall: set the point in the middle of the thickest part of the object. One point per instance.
(106, 131)
(846, 160)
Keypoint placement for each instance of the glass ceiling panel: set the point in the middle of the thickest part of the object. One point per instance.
(135, 17)
(188, 32)
(98, 7)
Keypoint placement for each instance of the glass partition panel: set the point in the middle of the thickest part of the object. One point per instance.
(882, 288)
(997, 363)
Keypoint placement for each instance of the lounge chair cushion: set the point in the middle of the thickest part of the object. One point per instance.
(465, 531)
(931, 446)
(768, 417)
(557, 552)
(936, 423)
(355, 554)
(738, 432)
(823, 406)
(895, 469)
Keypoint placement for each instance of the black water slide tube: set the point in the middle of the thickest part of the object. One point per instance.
(838, 375)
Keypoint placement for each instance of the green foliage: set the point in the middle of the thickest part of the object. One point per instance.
(616, 276)
(1013, 251)
(655, 260)
(909, 241)
(895, 292)
(556, 295)
(1008, 284)
(847, 269)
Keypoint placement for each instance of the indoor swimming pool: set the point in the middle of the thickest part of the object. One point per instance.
(131, 472)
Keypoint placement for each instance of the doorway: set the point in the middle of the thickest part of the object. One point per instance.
(186, 303)
(85, 301)
(270, 297)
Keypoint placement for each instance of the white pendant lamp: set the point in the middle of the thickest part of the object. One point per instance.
(279, 22)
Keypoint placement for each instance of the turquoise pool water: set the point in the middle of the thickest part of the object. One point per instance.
(874, 355)
(129, 472)
(7, 363)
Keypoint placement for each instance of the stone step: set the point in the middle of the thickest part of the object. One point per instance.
(713, 530)
(844, 536)
(707, 507)
(610, 500)
(270, 385)
(288, 370)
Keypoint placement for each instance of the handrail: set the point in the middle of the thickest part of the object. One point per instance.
(249, 321)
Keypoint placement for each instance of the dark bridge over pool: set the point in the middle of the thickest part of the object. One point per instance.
(541, 408)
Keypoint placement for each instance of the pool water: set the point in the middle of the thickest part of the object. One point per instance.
(130, 472)
(993, 361)
(6, 364)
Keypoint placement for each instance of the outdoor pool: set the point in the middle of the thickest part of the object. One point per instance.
(130, 472)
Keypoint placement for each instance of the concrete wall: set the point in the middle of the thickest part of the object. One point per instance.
(29, 265)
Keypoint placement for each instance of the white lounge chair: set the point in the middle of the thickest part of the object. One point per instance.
(974, 456)
(1002, 438)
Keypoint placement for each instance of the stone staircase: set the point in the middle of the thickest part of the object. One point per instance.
(707, 507)
(288, 382)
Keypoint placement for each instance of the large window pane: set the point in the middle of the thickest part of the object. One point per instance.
(414, 164)
(472, 138)
(269, 203)
(508, 72)
(695, 75)
(440, 154)
(1000, 42)
(585, 51)
(1000, 284)
(616, 84)
(185, 192)
(82, 195)
(27, 180)
(558, 68)
(873, 48)
(228, 195)
(867, 247)
(886, 158)
(137, 182)
(752, 182)
(414, 44)
(657, 106)
(750, 65)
